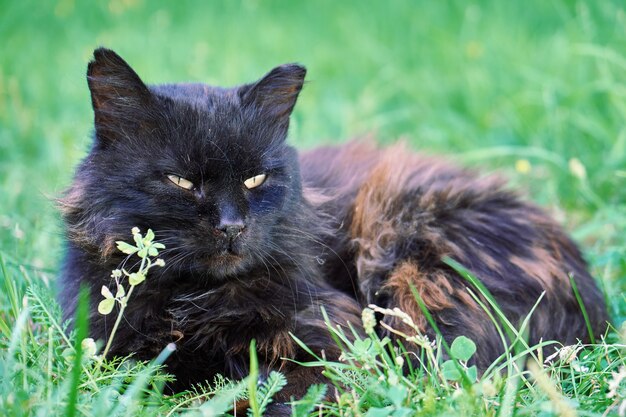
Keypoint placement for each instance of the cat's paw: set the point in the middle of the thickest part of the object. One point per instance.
(278, 410)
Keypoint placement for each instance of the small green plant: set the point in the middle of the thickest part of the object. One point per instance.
(380, 378)
(461, 351)
(146, 249)
(260, 394)
(312, 399)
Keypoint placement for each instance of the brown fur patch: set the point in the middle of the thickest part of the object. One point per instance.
(543, 267)
(436, 293)
(436, 290)
(280, 346)
(81, 230)
(489, 261)
(70, 203)
(369, 206)
(108, 246)
(375, 213)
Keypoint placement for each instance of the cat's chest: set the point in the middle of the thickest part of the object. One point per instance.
(231, 315)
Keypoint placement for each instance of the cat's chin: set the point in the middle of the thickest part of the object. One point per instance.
(224, 264)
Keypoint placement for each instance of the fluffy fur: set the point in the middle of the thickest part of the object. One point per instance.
(367, 225)
(397, 214)
(218, 290)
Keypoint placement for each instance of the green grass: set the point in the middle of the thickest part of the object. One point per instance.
(535, 89)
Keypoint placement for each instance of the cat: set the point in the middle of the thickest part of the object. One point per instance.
(258, 238)
(209, 171)
(398, 214)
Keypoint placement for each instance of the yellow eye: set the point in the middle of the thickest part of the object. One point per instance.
(180, 181)
(255, 181)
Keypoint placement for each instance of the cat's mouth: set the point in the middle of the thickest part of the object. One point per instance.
(223, 258)
(227, 256)
(224, 263)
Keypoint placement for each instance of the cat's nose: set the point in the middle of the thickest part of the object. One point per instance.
(231, 230)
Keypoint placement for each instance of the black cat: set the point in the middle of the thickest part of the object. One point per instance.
(209, 171)
(252, 254)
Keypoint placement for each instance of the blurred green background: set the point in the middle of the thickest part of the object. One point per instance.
(536, 89)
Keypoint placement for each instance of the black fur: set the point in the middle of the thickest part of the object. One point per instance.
(379, 221)
(217, 292)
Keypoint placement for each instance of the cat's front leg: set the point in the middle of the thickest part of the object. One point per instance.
(299, 379)
(312, 329)
(278, 410)
(275, 409)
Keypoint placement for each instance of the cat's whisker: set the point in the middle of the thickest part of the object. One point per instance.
(261, 255)
(177, 260)
(300, 233)
(283, 276)
(264, 262)
(296, 263)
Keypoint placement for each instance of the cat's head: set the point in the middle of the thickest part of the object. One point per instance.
(206, 168)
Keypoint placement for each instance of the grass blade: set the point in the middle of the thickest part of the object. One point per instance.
(583, 309)
(253, 379)
(81, 323)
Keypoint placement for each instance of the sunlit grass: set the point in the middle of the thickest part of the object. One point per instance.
(534, 89)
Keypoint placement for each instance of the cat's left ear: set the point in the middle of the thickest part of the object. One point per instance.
(118, 95)
(277, 92)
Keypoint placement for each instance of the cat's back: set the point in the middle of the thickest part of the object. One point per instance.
(346, 168)
(407, 211)
(362, 182)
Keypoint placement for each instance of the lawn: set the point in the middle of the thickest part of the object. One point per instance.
(534, 89)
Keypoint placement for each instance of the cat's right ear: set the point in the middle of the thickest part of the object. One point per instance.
(118, 95)
(276, 93)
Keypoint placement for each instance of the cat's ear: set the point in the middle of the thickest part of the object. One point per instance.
(118, 95)
(277, 92)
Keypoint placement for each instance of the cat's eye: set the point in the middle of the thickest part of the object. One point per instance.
(255, 181)
(180, 181)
